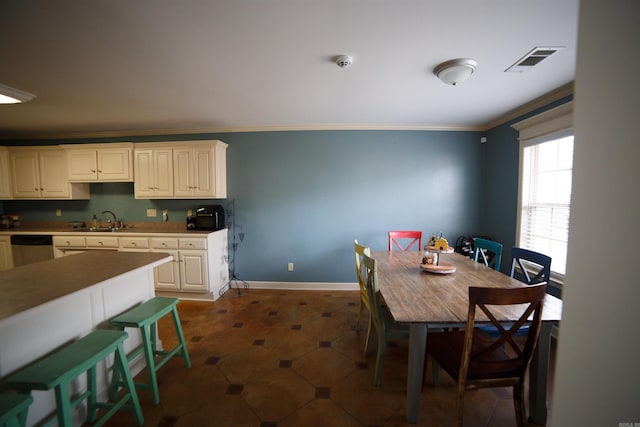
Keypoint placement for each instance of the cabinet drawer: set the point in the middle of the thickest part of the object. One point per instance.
(69, 241)
(164, 243)
(192, 244)
(134, 242)
(102, 242)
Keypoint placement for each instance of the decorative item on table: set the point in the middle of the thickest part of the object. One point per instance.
(437, 245)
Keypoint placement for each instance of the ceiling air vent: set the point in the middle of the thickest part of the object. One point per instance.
(533, 58)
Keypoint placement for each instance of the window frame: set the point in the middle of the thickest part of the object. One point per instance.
(547, 126)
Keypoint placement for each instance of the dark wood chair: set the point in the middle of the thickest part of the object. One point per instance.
(476, 360)
(404, 245)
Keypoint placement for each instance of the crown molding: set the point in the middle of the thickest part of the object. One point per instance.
(246, 129)
(542, 101)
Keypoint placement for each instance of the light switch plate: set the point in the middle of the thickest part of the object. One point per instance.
(152, 213)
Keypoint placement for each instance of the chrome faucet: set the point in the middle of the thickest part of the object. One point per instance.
(115, 221)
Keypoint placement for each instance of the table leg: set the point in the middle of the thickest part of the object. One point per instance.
(538, 375)
(417, 345)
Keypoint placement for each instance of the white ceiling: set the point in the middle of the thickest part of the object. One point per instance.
(132, 66)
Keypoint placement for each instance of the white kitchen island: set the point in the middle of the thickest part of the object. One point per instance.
(48, 304)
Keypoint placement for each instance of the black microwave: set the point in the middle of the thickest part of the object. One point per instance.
(209, 217)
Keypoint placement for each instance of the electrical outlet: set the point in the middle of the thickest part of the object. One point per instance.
(58, 212)
(290, 266)
(189, 212)
(152, 213)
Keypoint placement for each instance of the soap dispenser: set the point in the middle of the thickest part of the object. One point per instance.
(95, 221)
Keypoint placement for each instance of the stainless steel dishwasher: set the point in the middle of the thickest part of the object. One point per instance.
(28, 249)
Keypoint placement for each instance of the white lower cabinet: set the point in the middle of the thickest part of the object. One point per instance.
(199, 265)
(188, 271)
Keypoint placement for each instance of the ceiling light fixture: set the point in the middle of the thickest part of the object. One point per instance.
(455, 71)
(9, 95)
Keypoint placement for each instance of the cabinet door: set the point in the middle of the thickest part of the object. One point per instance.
(153, 173)
(183, 170)
(167, 275)
(203, 173)
(25, 174)
(144, 173)
(114, 164)
(83, 165)
(6, 257)
(193, 271)
(5, 175)
(53, 174)
(163, 162)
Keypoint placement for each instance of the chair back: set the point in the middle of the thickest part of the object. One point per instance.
(371, 287)
(409, 238)
(360, 252)
(488, 251)
(530, 267)
(489, 358)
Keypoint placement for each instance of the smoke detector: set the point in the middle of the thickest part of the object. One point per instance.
(344, 61)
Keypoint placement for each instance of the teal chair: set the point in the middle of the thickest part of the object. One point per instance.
(488, 251)
(14, 409)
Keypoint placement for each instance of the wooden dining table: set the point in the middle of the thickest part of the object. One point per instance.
(426, 300)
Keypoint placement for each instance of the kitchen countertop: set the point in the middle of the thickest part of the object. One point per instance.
(129, 231)
(28, 286)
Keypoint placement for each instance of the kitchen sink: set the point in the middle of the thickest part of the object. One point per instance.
(96, 229)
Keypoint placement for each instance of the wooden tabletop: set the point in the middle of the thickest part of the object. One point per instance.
(416, 296)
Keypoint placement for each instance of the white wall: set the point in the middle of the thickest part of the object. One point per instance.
(598, 374)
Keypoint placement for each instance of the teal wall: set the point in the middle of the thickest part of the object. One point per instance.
(304, 196)
(501, 163)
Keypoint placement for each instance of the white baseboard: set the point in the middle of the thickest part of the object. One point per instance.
(306, 286)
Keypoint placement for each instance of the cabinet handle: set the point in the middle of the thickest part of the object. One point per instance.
(100, 243)
(133, 243)
(99, 171)
(93, 170)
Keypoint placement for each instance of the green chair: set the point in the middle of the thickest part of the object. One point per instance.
(361, 251)
(57, 370)
(488, 251)
(145, 318)
(386, 327)
(14, 409)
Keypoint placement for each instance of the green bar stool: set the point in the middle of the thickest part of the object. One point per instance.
(14, 409)
(58, 369)
(145, 317)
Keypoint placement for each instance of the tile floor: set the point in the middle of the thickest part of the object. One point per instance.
(294, 358)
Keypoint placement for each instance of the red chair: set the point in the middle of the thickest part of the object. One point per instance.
(415, 236)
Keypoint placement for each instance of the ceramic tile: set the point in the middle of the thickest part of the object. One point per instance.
(295, 358)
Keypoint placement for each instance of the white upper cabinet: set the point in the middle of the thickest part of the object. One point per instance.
(153, 172)
(200, 170)
(41, 173)
(5, 174)
(181, 170)
(100, 162)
